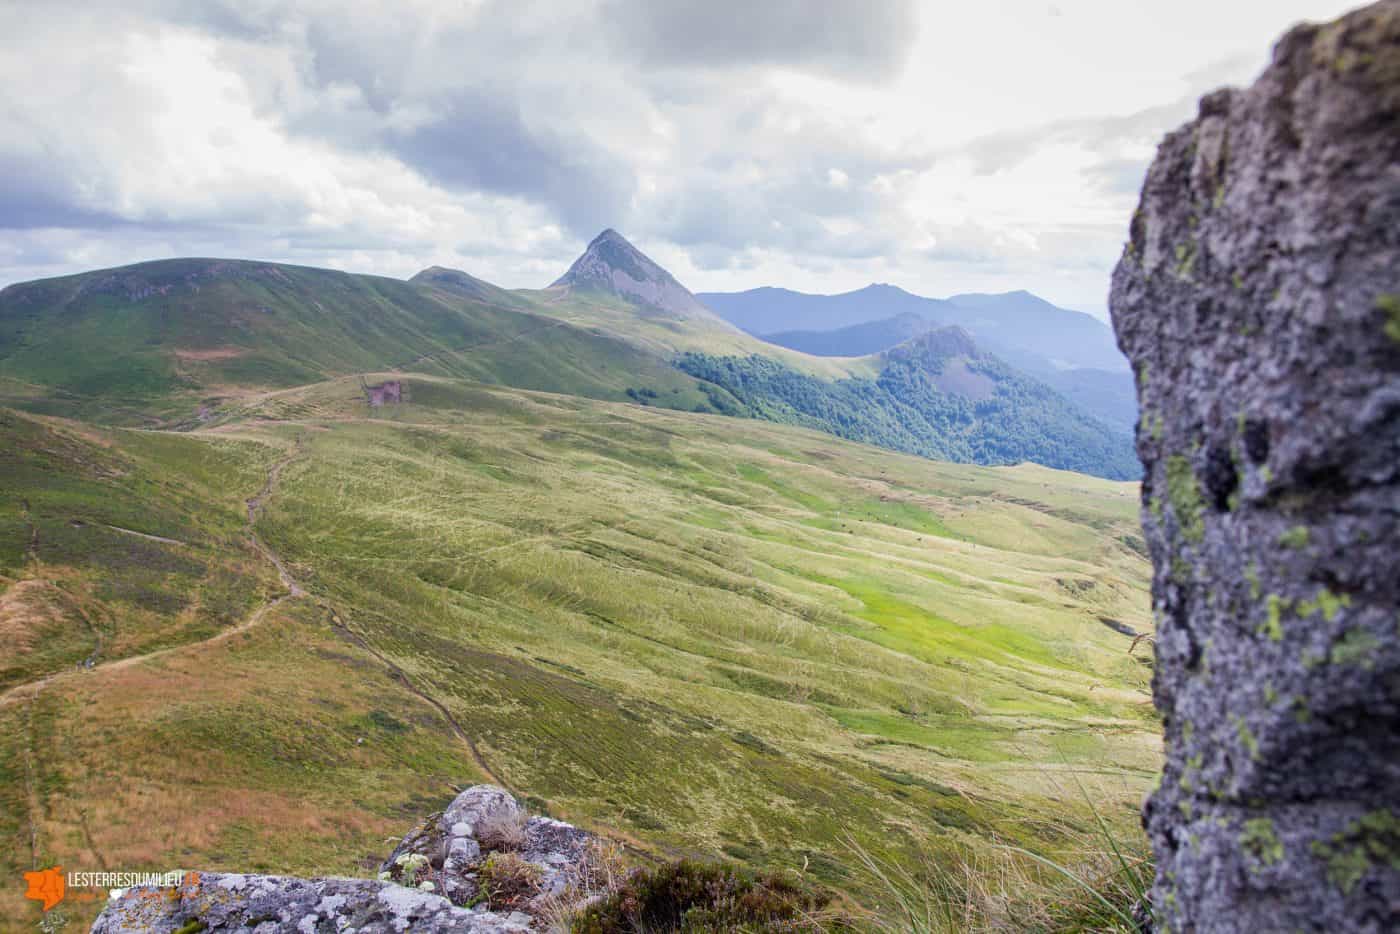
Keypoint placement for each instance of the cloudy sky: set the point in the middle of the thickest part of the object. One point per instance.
(815, 144)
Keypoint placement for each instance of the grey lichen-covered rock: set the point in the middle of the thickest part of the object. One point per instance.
(453, 845)
(426, 885)
(266, 904)
(1259, 301)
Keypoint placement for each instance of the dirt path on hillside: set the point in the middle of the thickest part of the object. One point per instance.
(31, 689)
(255, 505)
(399, 675)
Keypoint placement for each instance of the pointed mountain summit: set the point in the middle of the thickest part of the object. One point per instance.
(614, 266)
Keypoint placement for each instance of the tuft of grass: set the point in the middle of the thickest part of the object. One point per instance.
(1088, 887)
(502, 830)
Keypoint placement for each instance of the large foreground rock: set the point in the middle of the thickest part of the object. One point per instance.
(448, 852)
(1259, 301)
(246, 903)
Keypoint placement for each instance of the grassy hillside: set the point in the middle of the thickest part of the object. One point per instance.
(176, 342)
(164, 339)
(937, 396)
(704, 635)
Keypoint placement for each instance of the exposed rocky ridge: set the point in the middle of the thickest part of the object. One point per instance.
(1259, 302)
(430, 882)
(612, 264)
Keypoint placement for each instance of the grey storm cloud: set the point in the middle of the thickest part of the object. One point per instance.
(481, 141)
(35, 193)
(385, 135)
(862, 39)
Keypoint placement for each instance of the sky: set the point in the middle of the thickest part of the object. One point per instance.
(818, 145)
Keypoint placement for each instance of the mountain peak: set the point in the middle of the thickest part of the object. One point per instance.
(933, 347)
(610, 234)
(454, 280)
(611, 264)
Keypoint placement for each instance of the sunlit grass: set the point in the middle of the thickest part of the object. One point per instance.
(706, 635)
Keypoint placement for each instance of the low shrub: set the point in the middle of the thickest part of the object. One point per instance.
(507, 881)
(694, 896)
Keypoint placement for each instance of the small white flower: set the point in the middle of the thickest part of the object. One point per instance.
(426, 886)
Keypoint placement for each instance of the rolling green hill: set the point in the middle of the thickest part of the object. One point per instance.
(174, 342)
(702, 635)
(164, 339)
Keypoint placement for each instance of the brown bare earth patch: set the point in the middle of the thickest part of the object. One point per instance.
(958, 378)
(30, 608)
(212, 353)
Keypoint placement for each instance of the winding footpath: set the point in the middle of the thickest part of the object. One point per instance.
(31, 689)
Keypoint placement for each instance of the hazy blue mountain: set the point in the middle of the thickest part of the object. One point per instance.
(1108, 395)
(1028, 324)
(1018, 326)
(857, 340)
(771, 310)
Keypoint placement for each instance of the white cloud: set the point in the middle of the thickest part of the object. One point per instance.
(989, 146)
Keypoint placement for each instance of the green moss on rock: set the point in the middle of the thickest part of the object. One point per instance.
(1184, 494)
(1259, 840)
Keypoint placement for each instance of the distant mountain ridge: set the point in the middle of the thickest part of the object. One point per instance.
(938, 395)
(855, 340)
(1019, 326)
(1106, 394)
(170, 342)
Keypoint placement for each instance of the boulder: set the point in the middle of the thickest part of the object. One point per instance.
(1259, 302)
(429, 883)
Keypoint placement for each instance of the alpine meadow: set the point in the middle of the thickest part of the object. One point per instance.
(270, 599)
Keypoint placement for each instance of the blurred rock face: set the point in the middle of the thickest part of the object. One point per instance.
(1259, 302)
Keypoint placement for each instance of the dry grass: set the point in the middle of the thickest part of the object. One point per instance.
(29, 608)
(598, 873)
(703, 635)
(1093, 885)
(502, 830)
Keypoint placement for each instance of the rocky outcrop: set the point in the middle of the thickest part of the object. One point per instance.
(1259, 302)
(613, 265)
(435, 880)
(455, 844)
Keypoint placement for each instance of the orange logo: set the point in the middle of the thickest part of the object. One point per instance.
(45, 885)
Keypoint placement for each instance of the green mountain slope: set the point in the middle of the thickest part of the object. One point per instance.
(161, 338)
(177, 342)
(706, 635)
(936, 395)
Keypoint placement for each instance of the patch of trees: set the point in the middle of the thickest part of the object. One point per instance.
(903, 409)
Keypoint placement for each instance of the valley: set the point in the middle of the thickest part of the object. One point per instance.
(171, 343)
(698, 634)
(290, 556)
